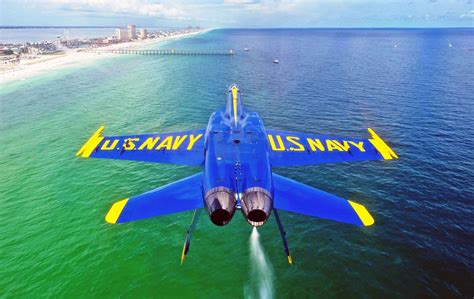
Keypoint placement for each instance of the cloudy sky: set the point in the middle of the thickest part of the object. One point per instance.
(240, 13)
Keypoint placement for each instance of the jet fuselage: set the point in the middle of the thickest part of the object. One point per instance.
(237, 170)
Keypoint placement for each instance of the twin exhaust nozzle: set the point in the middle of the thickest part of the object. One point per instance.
(221, 205)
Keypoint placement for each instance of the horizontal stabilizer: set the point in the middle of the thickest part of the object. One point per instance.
(179, 196)
(293, 196)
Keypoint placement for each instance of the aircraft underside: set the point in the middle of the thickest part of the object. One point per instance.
(237, 155)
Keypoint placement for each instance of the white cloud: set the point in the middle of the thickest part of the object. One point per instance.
(240, 1)
(246, 13)
(144, 8)
(468, 15)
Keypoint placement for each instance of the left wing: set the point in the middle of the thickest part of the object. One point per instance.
(296, 149)
(184, 148)
(183, 195)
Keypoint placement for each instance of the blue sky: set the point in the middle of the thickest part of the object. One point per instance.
(240, 13)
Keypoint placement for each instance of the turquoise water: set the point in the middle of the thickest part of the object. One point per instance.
(418, 96)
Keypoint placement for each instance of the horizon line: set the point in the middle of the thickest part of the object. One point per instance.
(320, 27)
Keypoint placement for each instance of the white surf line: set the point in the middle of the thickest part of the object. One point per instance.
(261, 271)
(74, 58)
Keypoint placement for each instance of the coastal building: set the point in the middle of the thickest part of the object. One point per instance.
(123, 34)
(133, 30)
(143, 33)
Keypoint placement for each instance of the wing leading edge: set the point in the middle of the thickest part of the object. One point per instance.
(183, 148)
(297, 149)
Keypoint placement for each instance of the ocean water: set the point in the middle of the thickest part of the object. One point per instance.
(409, 85)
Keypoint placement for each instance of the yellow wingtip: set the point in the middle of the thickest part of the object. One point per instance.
(91, 144)
(115, 211)
(290, 260)
(382, 147)
(363, 214)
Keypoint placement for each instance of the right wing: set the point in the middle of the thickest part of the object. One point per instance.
(179, 196)
(297, 149)
(183, 148)
(293, 196)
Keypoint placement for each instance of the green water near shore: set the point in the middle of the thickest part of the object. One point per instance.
(56, 241)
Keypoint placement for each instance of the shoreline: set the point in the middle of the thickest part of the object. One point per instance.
(75, 57)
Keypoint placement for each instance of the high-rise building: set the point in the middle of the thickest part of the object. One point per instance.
(133, 30)
(142, 33)
(123, 34)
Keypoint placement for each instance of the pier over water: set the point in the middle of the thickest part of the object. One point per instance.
(160, 52)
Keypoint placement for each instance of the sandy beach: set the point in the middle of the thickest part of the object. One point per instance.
(28, 68)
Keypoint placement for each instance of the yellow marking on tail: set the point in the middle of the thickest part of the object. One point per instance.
(386, 152)
(290, 260)
(115, 211)
(234, 101)
(363, 214)
(91, 144)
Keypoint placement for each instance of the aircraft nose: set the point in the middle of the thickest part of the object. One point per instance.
(233, 86)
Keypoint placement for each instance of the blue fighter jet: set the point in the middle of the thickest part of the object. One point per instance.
(237, 155)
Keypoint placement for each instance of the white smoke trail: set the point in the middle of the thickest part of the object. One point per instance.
(261, 271)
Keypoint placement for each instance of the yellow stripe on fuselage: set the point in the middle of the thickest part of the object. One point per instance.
(234, 101)
(115, 211)
(363, 214)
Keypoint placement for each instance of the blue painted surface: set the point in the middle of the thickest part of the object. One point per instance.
(238, 156)
(296, 197)
(236, 152)
(155, 148)
(327, 154)
(180, 196)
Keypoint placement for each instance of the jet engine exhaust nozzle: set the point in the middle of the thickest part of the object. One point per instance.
(220, 204)
(257, 205)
